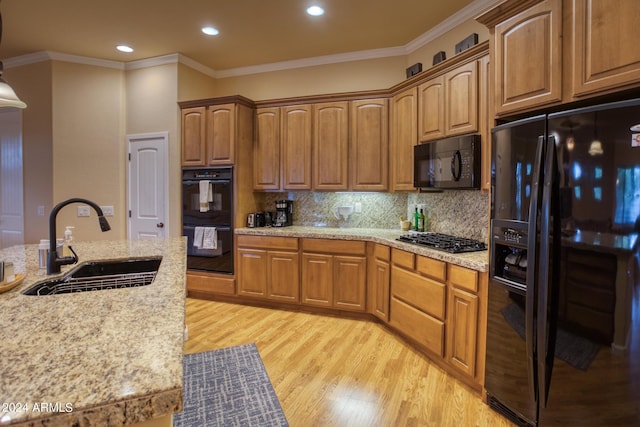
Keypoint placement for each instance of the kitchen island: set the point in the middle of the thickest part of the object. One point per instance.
(105, 358)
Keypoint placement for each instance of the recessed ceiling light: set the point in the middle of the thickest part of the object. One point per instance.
(315, 11)
(124, 48)
(210, 31)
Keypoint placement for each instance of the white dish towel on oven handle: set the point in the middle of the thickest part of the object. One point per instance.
(205, 238)
(206, 195)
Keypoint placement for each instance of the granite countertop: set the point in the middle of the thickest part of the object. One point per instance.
(478, 261)
(110, 357)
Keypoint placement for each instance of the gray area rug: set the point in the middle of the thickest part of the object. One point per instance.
(228, 387)
(577, 351)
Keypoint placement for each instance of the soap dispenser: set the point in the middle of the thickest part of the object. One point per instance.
(68, 241)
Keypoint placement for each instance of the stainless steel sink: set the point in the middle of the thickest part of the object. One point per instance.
(100, 275)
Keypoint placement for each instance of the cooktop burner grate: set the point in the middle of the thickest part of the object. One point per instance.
(444, 242)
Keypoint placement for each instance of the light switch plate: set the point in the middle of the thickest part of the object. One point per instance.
(107, 210)
(358, 207)
(83, 211)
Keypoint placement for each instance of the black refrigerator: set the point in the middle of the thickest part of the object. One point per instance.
(563, 326)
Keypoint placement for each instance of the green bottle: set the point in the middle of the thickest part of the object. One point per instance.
(416, 220)
(421, 221)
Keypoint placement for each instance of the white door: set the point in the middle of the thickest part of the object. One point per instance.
(148, 186)
(11, 186)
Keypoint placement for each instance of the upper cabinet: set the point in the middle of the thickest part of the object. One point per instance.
(551, 52)
(266, 149)
(296, 147)
(369, 145)
(404, 135)
(606, 55)
(331, 145)
(528, 58)
(210, 132)
(448, 104)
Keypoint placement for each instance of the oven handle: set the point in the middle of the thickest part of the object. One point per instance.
(213, 181)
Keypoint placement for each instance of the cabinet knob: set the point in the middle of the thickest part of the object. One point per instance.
(160, 225)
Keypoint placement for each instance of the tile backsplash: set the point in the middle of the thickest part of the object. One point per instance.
(460, 213)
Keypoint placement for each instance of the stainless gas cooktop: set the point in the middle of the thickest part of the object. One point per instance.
(444, 242)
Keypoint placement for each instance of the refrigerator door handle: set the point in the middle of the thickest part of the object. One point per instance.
(530, 298)
(545, 346)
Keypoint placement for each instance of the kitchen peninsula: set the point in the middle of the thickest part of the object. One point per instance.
(109, 357)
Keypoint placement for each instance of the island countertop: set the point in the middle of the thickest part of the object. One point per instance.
(110, 357)
(478, 261)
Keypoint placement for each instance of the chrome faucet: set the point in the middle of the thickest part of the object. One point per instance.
(54, 262)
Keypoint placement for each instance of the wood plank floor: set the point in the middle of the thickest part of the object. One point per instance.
(329, 371)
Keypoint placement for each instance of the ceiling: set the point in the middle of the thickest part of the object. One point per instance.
(252, 32)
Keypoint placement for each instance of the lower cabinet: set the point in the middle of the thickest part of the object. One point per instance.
(334, 274)
(378, 280)
(268, 268)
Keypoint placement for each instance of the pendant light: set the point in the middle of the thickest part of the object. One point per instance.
(595, 148)
(8, 97)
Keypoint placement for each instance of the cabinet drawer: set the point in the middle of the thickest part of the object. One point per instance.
(423, 328)
(463, 278)
(268, 242)
(421, 292)
(349, 247)
(403, 258)
(211, 284)
(382, 252)
(432, 268)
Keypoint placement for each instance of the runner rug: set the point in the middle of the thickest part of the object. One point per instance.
(228, 387)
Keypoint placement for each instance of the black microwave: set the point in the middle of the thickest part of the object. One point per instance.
(451, 163)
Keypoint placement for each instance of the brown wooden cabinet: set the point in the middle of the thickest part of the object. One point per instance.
(334, 274)
(418, 301)
(404, 136)
(528, 58)
(369, 145)
(194, 136)
(266, 149)
(296, 147)
(378, 280)
(268, 268)
(331, 145)
(431, 109)
(485, 113)
(448, 104)
(605, 52)
(462, 319)
(209, 134)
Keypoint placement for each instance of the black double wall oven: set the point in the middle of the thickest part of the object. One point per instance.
(207, 218)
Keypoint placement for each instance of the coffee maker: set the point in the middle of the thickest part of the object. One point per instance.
(284, 213)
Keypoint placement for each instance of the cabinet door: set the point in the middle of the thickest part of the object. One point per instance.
(317, 279)
(221, 134)
(194, 136)
(606, 52)
(369, 145)
(431, 109)
(528, 58)
(379, 284)
(296, 147)
(252, 272)
(404, 135)
(284, 280)
(461, 101)
(349, 282)
(266, 150)
(330, 145)
(462, 330)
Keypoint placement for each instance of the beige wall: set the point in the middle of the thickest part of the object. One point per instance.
(33, 85)
(152, 106)
(193, 84)
(88, 145)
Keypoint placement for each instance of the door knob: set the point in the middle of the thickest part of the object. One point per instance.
(160, 225)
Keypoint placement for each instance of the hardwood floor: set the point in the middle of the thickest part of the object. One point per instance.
(329, 371)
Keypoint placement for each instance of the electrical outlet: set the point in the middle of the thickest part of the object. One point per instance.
(358, 207)
(83, 211)
(40, 210)
(107, 210)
